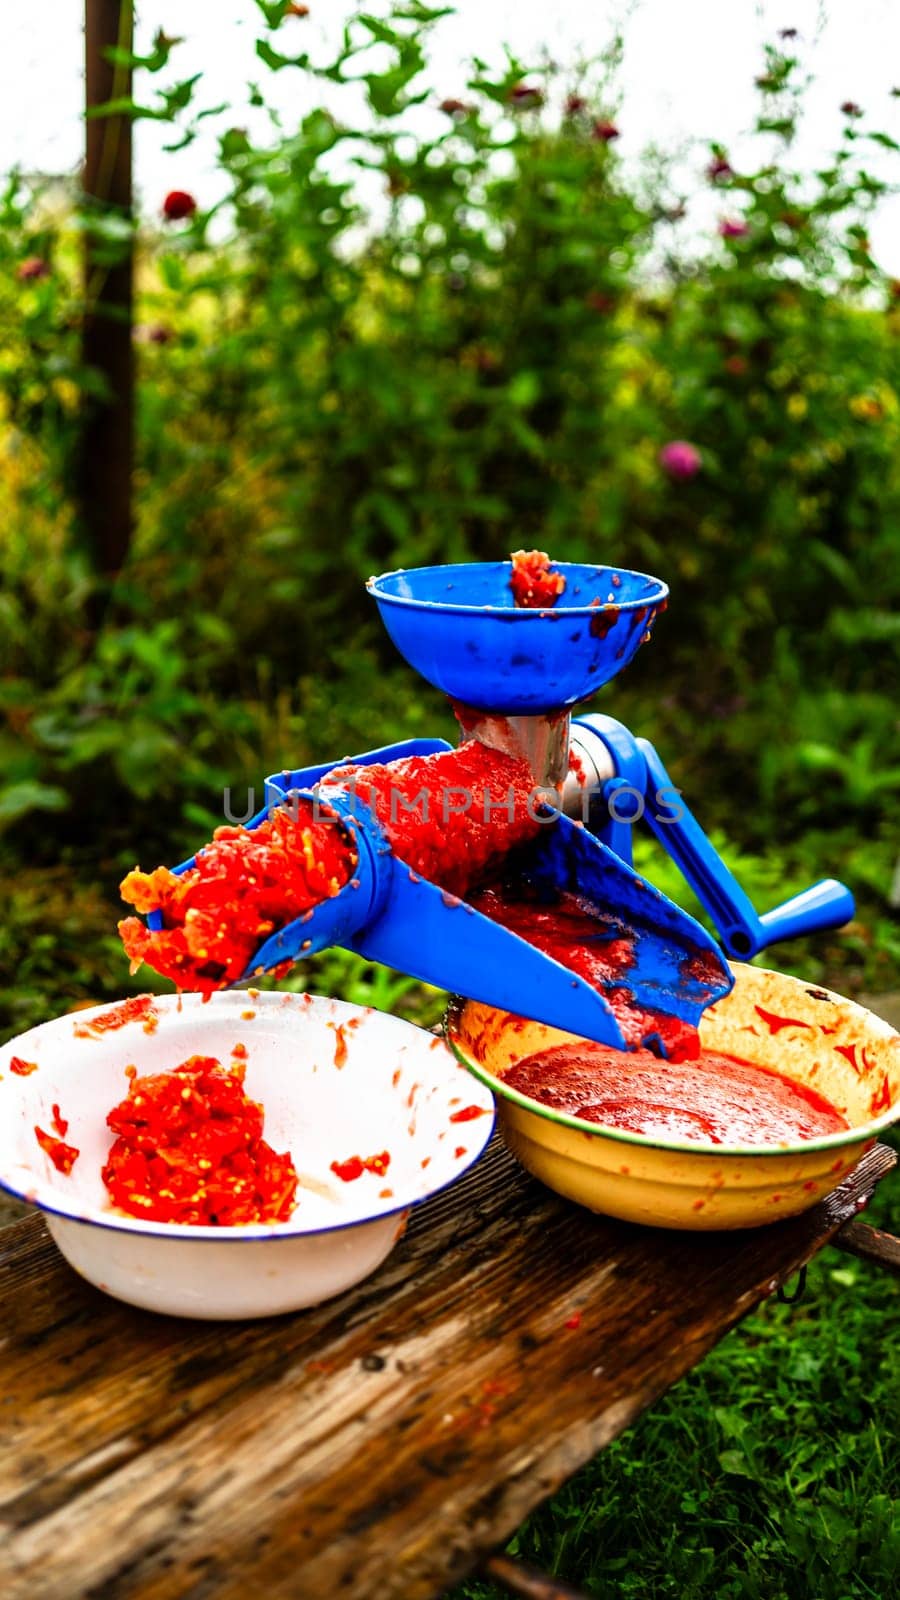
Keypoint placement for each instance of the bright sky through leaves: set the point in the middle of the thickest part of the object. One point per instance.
(687, 74)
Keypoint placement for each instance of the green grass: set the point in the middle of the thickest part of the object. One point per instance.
(772, 1472)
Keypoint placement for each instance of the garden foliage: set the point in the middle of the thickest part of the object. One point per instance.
(438, 322)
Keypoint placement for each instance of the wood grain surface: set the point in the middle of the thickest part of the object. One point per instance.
(377, 1446)
(870, 1244)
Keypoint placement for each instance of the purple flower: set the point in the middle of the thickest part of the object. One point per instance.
(719, 169)
(153, 333)
(178, 204)
(733, 228)
(851, 109)
(680, 459)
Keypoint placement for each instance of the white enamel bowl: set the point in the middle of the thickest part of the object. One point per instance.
(398, 1089)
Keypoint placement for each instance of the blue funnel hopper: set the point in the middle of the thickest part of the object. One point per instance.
(459, 628)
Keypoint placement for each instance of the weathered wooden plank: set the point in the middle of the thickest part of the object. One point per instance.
(870, 1244)
(379, 1445)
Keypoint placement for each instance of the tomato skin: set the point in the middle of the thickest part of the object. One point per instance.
(348, 1171)
(533, 584)
(63, 1156)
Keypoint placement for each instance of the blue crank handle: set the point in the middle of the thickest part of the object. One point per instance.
(743, 932)
(827, 904)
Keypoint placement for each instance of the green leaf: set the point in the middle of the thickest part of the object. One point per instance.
(154, 62)
(171, 270)
(273, 11)
(179, 97)
(125, 107)
(18, 799)
(736, 1463)
(523, 390)
(274, 59)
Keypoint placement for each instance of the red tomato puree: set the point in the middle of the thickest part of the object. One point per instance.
(713, 1098)
(695, 1094)
(597, 949)
(452, 817)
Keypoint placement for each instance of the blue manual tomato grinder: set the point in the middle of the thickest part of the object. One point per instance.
(514, 676)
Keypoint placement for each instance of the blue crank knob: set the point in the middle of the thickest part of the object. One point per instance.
(828, 904)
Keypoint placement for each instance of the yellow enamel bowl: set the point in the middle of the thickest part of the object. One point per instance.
(807, 1034)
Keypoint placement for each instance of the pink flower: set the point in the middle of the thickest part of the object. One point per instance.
(526, 95)
(178, 204)
(32, 268)
(731, 228)
(153, 333)
(719, 169)
(680, 459)
(605, 131)
(575, 103)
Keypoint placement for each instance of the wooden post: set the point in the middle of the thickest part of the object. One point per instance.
(107, 439)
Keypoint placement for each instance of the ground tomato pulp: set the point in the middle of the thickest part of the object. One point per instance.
(534, 585)
(452, 818)
(245, 883)
(712, 1098)
(190, 1149)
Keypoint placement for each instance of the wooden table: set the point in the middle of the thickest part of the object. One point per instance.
(378, 1446)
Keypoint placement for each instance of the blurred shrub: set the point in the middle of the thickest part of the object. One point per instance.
(494, 352)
